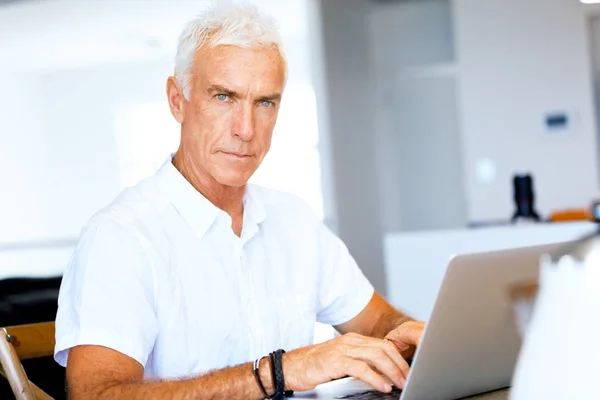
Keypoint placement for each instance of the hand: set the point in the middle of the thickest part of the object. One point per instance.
(407, 337)
(348, 355)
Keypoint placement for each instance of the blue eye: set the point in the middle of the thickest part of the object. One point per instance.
(266, 104)
(222, 97)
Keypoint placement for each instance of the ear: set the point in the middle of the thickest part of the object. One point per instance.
(176, 99)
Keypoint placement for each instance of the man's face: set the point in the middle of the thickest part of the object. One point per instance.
(229, 119)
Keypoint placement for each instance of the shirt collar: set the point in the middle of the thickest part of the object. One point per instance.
(197, 210)
(254, 211)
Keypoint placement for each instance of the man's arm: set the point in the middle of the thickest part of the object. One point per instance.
(380, 320)
(377, 319)
(98, 373)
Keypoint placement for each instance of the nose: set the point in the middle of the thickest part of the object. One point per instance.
(243, 126)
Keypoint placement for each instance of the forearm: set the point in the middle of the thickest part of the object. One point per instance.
(376, 320)
(232, 383)
(388, 321)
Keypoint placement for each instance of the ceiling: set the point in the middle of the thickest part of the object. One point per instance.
(47, 35)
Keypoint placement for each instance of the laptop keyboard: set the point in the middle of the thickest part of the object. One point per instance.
(374, 395)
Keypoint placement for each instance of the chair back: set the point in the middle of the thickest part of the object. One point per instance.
(25, 342)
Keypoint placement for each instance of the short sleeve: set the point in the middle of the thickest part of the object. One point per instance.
(107, 294)
(344, 290)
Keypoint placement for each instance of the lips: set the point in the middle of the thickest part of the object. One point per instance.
(236, 155)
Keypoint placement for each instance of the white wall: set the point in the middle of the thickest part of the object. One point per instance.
(594, 31)
(416, 116)
(81, 108)
(410, 33)
(498, 67)
(348, 82)
(58, 156)
(519, 59)
(22, 155)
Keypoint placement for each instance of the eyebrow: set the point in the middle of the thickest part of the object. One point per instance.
(275, 97)
(221, 89)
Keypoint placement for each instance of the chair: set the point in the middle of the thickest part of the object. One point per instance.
(23, 342)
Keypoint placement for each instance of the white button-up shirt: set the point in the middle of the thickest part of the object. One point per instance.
(160, 276)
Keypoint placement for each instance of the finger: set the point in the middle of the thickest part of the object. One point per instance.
(395, 355)
(408, 333)
(379, 359)
(418, 332)
(392, 352)
(361, 370)
(389, 347)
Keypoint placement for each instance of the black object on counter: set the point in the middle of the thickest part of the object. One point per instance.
(524, 198)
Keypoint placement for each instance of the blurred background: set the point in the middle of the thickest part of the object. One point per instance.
(403, 125)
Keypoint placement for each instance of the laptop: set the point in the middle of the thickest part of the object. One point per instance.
(471, 342)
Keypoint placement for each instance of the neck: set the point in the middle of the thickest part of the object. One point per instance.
(228, 198)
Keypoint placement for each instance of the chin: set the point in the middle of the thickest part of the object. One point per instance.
(233, 179)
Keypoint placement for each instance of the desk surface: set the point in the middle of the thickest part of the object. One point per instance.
(350, 386)
(497, 395)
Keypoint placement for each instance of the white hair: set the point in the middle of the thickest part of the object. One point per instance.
(240, 25)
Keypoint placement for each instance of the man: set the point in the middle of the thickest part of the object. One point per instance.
(187, 277)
